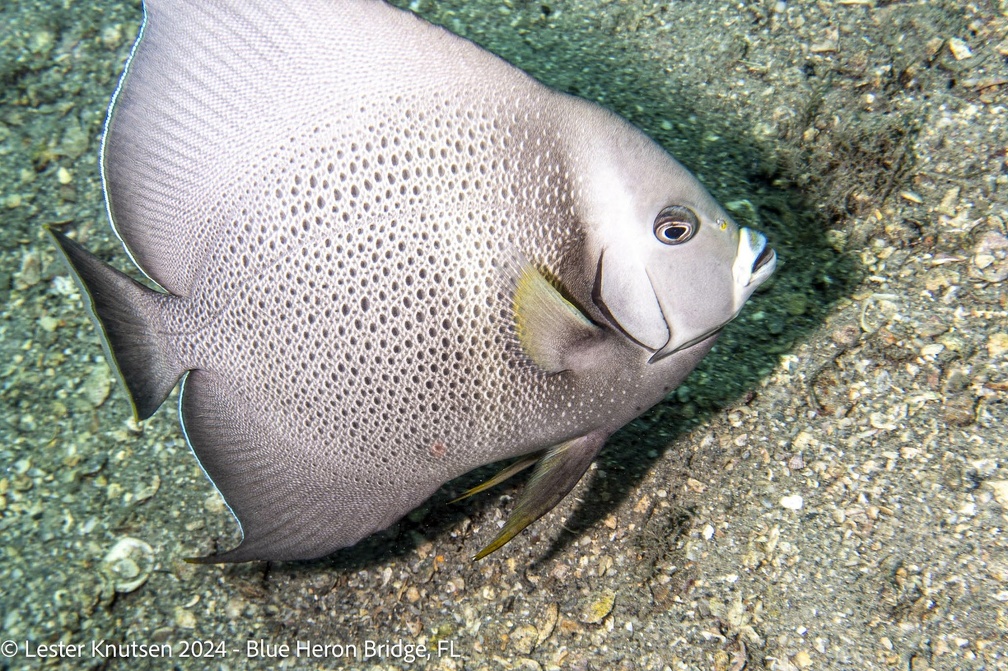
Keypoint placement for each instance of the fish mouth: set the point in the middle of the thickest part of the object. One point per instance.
(767, 256)
(754, 263)
(754, 260)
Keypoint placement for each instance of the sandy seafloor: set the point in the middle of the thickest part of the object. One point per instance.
(828, 491)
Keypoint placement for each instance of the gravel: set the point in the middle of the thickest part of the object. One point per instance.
(828, 490)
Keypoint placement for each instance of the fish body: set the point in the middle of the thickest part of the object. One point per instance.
(389, 257)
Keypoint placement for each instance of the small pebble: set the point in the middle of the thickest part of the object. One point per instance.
(960, 50)
(792, 502)
(990, 258)
(41, 42)
(524, 638)
(47, 323)
(145, 493)
(983, 260)
(62, 285)
(98, 385)
(837, 239)
(30, 273)
(940, 278)
(997, 345)
(1000, 488)
(234, 608)
(547, 622)
(803, 441)
(600, 605)
(948, 202)
(846, 336)
(214, 503)
(111, 36)
(184, 618)
(958, 410)
(932, 327)
(75, 141)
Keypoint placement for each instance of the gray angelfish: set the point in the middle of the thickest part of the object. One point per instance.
(389, 257)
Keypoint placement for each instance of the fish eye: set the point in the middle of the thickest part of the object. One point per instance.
(675, 225)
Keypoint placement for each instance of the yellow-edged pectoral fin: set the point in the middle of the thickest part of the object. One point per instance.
(555, 475)
(549, 326)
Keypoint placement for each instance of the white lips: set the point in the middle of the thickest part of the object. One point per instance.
(750, 246)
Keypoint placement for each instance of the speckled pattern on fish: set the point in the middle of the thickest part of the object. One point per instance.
(340, 201)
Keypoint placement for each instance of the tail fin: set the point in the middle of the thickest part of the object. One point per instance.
(128, 314)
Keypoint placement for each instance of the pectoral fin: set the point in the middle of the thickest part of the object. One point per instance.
(549, 326)
(555, 475)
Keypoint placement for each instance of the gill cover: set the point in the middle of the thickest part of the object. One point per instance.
(624, 293)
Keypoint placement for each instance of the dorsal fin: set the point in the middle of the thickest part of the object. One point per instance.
(219, 98)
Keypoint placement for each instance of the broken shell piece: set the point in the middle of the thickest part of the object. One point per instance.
(128, 564)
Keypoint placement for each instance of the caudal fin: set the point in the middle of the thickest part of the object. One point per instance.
(128, 315)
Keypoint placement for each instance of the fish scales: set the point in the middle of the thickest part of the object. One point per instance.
(389, 258)
(406, 299)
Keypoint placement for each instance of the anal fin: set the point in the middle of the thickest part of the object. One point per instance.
(556, 473)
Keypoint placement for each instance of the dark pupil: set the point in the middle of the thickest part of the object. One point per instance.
(673, 232)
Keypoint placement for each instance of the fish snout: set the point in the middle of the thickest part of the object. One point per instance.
(754, 260)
